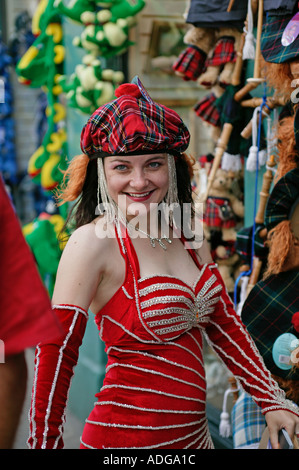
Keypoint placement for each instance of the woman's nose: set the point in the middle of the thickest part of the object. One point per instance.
(139, 179)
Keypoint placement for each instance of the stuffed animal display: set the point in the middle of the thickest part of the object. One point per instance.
(212, 42)
(40, 66)
(105, 30)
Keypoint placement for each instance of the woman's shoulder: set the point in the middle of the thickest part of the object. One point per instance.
(90, 238)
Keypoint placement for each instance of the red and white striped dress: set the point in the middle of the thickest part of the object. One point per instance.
(154, 392)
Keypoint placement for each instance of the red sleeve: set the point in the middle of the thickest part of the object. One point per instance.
(54, 364)
(229, 338)
(26, 316)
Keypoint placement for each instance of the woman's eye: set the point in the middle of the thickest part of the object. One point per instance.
(154, 164)
(120, 167)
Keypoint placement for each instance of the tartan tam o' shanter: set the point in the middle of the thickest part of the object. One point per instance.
(271, 47)
(284, 196)
(268, 312)
(133, 124)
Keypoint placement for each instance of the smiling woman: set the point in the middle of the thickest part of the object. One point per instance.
(154, 296)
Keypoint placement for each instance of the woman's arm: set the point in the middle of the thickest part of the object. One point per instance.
(77, 279)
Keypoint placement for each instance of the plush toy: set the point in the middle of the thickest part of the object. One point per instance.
(42, 238)
(104, 37)
(227, 260)
(76, 10)
(223, 208)
(191, 62)
(83, 11)
(90, 85)
(220, 63)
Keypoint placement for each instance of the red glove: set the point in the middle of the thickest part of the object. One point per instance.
(54, 364)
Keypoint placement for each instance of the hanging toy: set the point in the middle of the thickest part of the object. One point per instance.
(41, 66)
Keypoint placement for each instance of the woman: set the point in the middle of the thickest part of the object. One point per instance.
(153, 299)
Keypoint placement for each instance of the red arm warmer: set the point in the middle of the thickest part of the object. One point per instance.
(54, 364)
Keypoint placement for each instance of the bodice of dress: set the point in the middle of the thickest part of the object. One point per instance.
(159, 307)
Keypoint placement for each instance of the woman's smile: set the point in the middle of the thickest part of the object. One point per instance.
(139, 197)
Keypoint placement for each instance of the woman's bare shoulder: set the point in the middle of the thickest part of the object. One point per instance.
(90, 238)
(81, 267)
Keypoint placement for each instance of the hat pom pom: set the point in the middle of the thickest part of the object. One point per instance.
(295, 321)
(128, 89)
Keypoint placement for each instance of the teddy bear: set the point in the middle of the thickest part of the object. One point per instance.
(220, 62)
(191, 62)
(223, 208)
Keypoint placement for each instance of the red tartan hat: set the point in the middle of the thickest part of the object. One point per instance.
(133, 124)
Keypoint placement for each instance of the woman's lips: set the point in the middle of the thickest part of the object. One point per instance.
(140, 197)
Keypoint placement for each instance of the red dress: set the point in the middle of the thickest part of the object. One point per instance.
(154, 392)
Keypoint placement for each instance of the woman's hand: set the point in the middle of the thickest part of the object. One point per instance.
(276, 420)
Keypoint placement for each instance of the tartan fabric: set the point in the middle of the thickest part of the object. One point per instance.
(223, 52)
(283, 196)
(248, 423)
(271, 48)
(267, 313)
(207, 111)
(244, 244)
(190, 63)
(133, 123)
(213, 215)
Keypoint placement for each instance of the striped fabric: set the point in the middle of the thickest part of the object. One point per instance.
(190, 63)
(218, 213)
(248, 423)
(207, 111)
(271, 47)
(223, 52)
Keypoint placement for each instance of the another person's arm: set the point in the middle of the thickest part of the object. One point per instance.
(13, 381)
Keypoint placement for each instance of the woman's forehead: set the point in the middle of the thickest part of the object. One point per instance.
(135, 158)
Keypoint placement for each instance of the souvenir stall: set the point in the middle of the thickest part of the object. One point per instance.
(245, 55)
(230, 70)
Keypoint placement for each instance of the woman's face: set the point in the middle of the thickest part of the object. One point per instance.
(136, 182)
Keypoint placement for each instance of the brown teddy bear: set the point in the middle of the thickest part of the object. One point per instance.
(223, 208)
(221, 60)
(191, 62)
